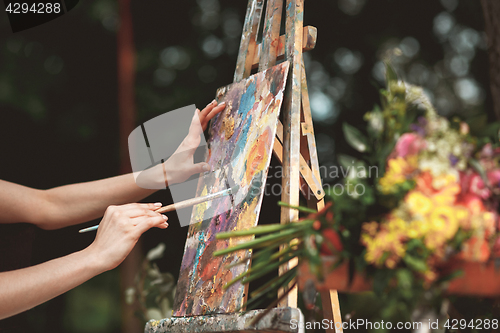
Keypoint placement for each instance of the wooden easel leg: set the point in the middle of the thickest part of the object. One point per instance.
(329, 299)
(291, 129)
(331, 310)
(297, 133)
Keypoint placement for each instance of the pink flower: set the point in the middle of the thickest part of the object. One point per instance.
(472, 184)
(477, 187)
(409, 144)
(494, 178)
(473, 203)
(487, 150)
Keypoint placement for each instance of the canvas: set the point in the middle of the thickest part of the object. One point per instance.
(240, 145)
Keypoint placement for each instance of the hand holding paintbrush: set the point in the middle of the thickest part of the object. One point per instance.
(186, 203)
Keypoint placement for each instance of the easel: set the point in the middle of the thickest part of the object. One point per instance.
(295, 149)
(296, 145)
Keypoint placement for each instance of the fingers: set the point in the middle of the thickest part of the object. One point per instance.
(148, 206)
(208, 108)
(132, 216)
(209, 112)
(215, 111)
(200, 119)
(136, 212)
(144, 223)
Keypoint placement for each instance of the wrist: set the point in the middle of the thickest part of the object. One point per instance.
(94, 261)
(152, 178)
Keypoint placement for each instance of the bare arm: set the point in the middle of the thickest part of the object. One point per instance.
(66, 205)
(118, 232)
(72, 204)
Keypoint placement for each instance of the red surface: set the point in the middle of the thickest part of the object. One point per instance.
(478, 279)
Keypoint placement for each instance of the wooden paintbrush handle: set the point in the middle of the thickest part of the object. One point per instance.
(192, 202)
(166, 209)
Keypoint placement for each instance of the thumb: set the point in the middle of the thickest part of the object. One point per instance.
(199, 168)
(195, 127)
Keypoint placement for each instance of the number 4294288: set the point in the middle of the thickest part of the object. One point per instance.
(35, 8)
(478, 324)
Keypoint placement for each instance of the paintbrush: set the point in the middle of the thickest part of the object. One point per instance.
(185, 203)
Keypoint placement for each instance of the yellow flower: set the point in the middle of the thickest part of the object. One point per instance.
(445, 180)
(447, 196)
(418, 203)
(397, 171)
(434, 241)
(384, 242)
(462, 215)
(489, 221)
(390, 263)
(417, 229)
(444, 221)
(396, 226)
(370, 228)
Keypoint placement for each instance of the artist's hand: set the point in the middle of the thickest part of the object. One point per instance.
(180, 166)
(119, 230)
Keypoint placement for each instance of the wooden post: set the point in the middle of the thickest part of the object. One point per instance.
(126, 111)
(491, 10)
(291, 127)
(248, 42)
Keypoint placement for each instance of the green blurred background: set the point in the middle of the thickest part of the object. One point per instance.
(59, 108)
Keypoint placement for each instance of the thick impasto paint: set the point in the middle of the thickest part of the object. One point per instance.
(240, 145)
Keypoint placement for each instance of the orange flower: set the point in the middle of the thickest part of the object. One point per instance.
(475, 249)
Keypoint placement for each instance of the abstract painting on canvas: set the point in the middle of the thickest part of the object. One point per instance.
(239, 145)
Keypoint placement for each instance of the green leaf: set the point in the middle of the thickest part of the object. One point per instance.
(479, 168)
(381, 280)
(345, 161)
(415, 264)
(390, 74)
(262, 229)
(452, 275)
(156, 252)
(405, 278)
(491, 130)
(299, 208)
(355, 138)
(477, 123)
(414, 244)
(375, 122)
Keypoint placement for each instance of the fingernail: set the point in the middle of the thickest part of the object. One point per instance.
(164, 217)
(166, 224)
(223, 103)
(158, 204)
(214, 102)
(206, 168)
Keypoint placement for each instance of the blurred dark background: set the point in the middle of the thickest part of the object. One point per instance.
(59, 108)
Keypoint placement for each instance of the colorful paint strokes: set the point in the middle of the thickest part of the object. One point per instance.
(240, 145)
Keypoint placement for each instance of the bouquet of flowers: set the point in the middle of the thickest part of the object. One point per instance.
(435, 199)
(442, 190)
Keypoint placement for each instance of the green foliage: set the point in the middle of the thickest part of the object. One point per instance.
(153, 289)
(92, 306)
(354, 137)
